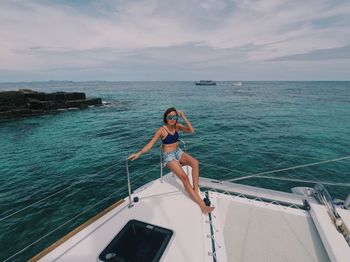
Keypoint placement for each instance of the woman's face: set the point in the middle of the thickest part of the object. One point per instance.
(171, 118)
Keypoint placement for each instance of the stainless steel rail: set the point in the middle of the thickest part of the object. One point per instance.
(129, 185)
(161, 171)
(324, 198)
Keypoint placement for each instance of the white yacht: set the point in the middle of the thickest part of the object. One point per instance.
(206, 83)
(159, 222)
(237, 83)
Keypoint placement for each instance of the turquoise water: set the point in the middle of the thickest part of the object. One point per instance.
(79, 155)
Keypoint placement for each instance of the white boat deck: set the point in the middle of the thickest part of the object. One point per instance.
(162, 204)
(239, 229)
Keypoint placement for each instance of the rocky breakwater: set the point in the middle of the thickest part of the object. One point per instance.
(26, 102)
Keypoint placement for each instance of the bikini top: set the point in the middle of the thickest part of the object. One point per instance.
(170, 139)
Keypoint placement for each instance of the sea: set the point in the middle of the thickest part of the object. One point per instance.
(60, 169)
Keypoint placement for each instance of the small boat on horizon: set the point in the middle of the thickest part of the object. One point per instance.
(206, 83)
(237, 83)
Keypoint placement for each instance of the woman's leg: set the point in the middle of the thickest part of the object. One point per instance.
(186, 159)
(175, 167)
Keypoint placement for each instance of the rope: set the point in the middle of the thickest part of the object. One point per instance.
(25, 248)
(253, 175)
(77, 182)
(109, 167)
(145, 173)
(293, 155)
(234, 170)
(138, 170)
(120, 189)
(269, 152)
(307, 181)
(83, 180)
(163, 194)
(312, 176)
(289, 168)
(33, 204)
(62, 190)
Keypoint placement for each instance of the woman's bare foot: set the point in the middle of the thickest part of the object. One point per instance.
(206, 210)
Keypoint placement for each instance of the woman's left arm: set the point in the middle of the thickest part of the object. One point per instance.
(187, 128)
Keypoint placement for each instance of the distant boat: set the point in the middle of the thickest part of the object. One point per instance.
(205, 83)
(237, 83)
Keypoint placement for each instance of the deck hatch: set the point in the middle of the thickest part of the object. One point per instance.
(137, 241)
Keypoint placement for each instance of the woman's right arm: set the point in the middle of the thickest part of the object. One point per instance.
(146, 147)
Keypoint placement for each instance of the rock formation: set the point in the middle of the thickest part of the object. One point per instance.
(27, 102)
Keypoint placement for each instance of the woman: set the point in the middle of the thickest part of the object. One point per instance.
(174, 157)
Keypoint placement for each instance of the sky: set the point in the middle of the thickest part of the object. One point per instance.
(163, 40)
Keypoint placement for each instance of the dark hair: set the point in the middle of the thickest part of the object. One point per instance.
(166, 113)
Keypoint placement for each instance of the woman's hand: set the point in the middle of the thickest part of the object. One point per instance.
(132, 157)
(181, 114)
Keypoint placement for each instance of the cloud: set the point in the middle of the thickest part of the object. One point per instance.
(322, 54)
(78, 36)
(192, 55)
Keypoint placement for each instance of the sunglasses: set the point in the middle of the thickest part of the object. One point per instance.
(173, 117)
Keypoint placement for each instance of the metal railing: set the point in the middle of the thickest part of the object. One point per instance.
(161, 171)
(324, 198)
